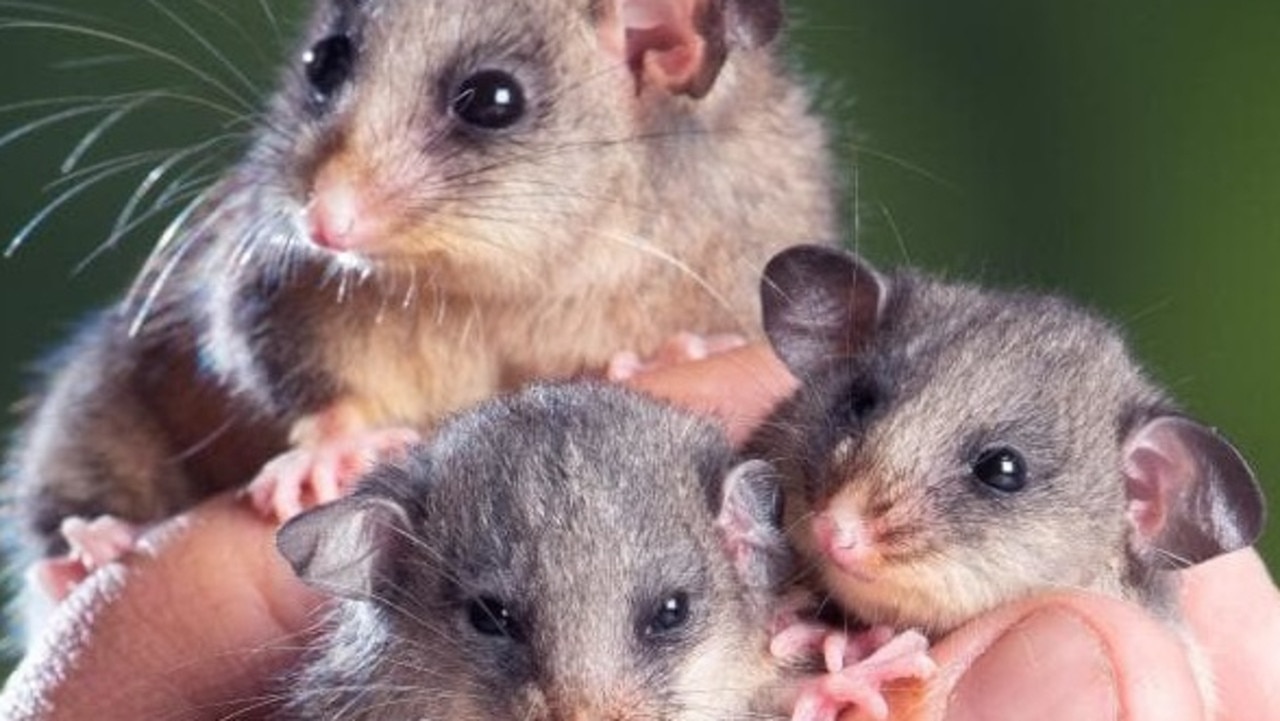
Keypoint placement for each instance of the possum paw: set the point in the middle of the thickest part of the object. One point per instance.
(680, 348)
(92, 544)
(859, 666)
(321, 472)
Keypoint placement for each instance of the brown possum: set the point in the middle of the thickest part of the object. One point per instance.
(446, 199)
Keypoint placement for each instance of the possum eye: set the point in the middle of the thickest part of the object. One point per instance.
(671, 614)
(490, 617)
(328, 65)
(856, 403)
(1001, 468)
(489, 99)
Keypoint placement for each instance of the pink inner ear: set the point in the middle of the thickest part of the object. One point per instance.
(661, 42)
(1157, 470)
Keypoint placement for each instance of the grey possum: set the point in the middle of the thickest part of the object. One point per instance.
(572, 551)
(952, 448)
(445, 199)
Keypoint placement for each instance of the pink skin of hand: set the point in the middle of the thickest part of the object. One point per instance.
(680, 348)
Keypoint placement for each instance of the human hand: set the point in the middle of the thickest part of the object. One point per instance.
(191, 624)
(194, 623)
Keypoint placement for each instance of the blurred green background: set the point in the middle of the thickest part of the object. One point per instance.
(1126, 153)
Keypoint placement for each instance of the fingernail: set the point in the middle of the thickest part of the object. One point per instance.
(1049, 666)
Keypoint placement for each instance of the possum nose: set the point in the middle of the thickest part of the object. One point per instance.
(848, 541)
(343, 212)
(334, 214)
(331, 217)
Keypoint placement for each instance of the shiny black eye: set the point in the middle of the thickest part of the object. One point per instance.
(855, 404)
(328, 65)
(490, 617)
(1001, 468)
(490, 99)
(672, 613)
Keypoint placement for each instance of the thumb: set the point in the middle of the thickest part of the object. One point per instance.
(1063, 656)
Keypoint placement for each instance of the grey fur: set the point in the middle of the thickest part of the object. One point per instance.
(893, 415)
(579, 507)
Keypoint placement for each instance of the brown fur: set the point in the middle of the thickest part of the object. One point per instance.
(618, 214)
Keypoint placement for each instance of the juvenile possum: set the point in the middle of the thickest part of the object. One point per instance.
(953, 448)
(445, 199)
(573, 551)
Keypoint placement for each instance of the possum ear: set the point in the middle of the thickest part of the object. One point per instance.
(1191, 495)
(820, 304)
(342, 547)
(680, 45)
(750, 525)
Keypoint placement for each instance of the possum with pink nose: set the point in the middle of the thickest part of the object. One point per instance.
(443, 201)
(953, 448)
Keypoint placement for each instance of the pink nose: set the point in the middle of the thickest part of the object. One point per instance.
(334, 215)
(847, 540)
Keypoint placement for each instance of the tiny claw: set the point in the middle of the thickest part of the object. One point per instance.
(322, 471)
(91, 545)
(683, 347)
(624, 366)
(857, 673)
(797, 640)
(56, 578)
(97, 542)
(813, 707)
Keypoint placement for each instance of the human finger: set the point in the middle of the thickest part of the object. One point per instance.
(192, 624)
(1067, 655)
(1232, 607)
(740, 387)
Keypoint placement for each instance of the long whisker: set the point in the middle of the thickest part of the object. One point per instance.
(239, 27)
(157, 173)
(271, 20)
(142, 47)
(21, 237)
(46, 9)
(171, 233)
(217, 55)
(48, 120)
(97, 131)
(113, 240)
(123, 161)
(90, 62)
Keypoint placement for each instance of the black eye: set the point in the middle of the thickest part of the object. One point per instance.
(490, 617)
(672, 613)
(1002, 469)
(328, 64)
(490, 99)
(856, 404)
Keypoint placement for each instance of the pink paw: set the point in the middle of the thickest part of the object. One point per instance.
(680, 348)
(323, 471)
(794, 635)
(858, 668)
(93, 544)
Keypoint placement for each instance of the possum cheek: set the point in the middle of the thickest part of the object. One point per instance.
(721, 675)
